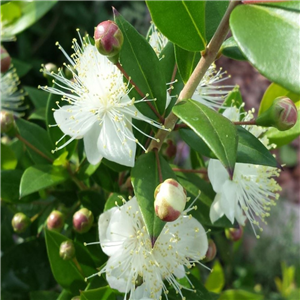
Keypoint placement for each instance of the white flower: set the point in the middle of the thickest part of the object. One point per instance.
(100, 110)
(251, 191)
(132, 259)
(156, 39)
(11, 97)
(210, 94)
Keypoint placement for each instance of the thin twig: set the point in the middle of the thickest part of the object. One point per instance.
(252, 122)
(201, 171)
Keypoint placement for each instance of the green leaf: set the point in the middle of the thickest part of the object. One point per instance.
(287, 5)
(112, 200)
(8, 158)
(142, 65)
(106, 178)
(186, 62)
(37, 137)
(269, 38)
(145, 179)
(219, 134)
(234, 98)
(39, 177)
(214, 12)
(65, 295)
(21, 67)
(65, 272)
(240, 295)
(10, 181)
(93, 201)
(38, 114)
(24, 15)
(216, 279)
(103, 293)
(182, 22)
(230, 49)
(38, 98)
(45, 295)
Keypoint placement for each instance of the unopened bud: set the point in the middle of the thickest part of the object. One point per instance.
(20, 222)
(109, 39)
(7, 121)
(49, 67)
(211, 251)
(55, 221)
(282, 114)
(83, 220)
(5, 60)
(234, 234)
(170, 199)
(67, 250)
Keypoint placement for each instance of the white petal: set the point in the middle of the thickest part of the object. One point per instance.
(112, 146)
(72, 121)
(239, 215)
(216, 212)
(217, 174)
(90, 144)
(232, 113)
(140, 293)
(179, 272)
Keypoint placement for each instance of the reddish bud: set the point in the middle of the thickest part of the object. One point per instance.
(211, 251)
(5, 60)
(83, 220)
(109, 39)
(55, 221)
(20, 222)
(67, 250)
(234, 234)
(170, 199)
(7, 121)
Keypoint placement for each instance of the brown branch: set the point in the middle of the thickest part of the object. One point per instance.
(202, 171)
(252, 122)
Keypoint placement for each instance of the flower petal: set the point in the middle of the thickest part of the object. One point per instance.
(217, 174)
(216, 212)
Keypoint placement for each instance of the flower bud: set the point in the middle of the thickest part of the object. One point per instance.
(211, 251)
(109, 39)
(67, 250)
(5, 60)
(83, 220)
(170, 199)
(55, 221)
(234, 234)
(7, 121)
(282, 114)
(20, 222)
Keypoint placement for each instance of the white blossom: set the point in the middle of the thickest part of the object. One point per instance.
(136, 266)
(156, 39)
(99, 109)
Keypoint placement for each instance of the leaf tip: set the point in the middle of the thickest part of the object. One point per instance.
(115, 12)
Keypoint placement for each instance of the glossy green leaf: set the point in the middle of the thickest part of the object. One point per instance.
(142, 65)
(38, 114)
(240, 295)
(93, 201)
(287, 5)
(182, 22)
(65, 295)
(230, 49)
(269, 38)
(8, 158)
(186, 62)
(10, 181)
(106, 178)
(216, 279)
(234, 98)
(103, 293)
(22, 15)
(219, 134)
(145, 178)
(39, 177)
(214, 12)
(37, 137)
(65, 272)
(112, 200)
(38, 98)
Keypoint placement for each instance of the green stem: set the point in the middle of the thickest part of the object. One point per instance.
(158, 166)
(206, 60)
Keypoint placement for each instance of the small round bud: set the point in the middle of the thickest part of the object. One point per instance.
(282, 114)
(211, 251)
(5, 60)
(49, 67)
(67, 250)
(20, 222)
(170, 199)
(7, 121)
(109, 39)
(83, 220)
(55, 221)
(234, 234)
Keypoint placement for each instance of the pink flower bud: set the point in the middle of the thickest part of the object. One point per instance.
(170, 199)
(55, 221)
(20, 222)
(211, 251)
(5, 60)
(83, 220)
(108, 39)
(67, 250)
(7, 121)
(234, 234)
